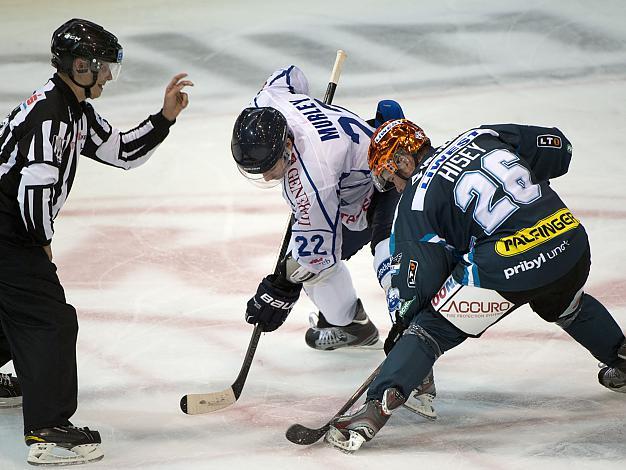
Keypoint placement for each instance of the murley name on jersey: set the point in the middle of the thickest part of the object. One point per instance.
(314, 114)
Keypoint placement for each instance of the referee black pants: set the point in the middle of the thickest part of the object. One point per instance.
(39, 331)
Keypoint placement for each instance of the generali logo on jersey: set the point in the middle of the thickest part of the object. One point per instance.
(303, 204)
(546, 229)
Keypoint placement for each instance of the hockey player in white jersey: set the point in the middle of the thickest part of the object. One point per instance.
(318, 153)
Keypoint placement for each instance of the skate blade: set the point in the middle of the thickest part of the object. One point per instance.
(49, 454)
(347, 445)
(377, 346)
(422, 405)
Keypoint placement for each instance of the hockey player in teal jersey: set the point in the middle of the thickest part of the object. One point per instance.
(478, 232)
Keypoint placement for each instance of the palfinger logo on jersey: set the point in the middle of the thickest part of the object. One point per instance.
(412, 273)
(268, 299)
(546, 229)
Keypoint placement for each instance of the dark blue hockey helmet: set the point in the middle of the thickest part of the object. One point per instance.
(259, 140)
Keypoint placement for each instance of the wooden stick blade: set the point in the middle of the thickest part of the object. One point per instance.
(200, 403)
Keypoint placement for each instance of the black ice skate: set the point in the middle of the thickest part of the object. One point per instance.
(10, 391)
(349, 432)
(614, 378)
(421, 399)
(63, 445)
(360, 333)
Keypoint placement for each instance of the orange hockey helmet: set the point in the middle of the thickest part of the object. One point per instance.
(392, 137)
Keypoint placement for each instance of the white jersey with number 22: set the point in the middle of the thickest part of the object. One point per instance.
(328, 182)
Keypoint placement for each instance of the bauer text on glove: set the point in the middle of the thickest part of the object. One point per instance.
(274, 299)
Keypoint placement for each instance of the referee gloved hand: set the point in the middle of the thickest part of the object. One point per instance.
(274, 299)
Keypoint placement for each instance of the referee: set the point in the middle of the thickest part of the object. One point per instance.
(40, 144)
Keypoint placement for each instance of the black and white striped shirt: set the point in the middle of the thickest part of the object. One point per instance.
(40, 141)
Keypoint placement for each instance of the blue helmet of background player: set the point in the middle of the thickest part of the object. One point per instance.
(78, 38)
(260, 139)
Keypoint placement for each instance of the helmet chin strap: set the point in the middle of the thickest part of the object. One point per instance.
(401, 177)
(86, 88)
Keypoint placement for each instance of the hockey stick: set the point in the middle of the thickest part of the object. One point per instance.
(299, 434)
(198, 403)
(334, 77)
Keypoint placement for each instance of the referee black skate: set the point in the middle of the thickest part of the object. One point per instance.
(40, 144)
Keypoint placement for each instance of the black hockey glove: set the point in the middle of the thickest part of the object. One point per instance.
(393, 337)
(274, 299)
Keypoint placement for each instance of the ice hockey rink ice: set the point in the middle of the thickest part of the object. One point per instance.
(160, 261)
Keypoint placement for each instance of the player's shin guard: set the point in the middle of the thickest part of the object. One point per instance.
(596, 330)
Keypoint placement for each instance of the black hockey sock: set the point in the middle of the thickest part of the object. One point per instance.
(597, 331)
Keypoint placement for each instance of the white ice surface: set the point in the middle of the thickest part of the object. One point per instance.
(160, 261)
